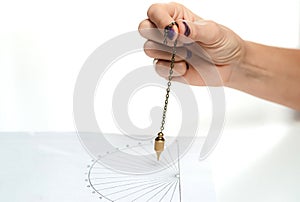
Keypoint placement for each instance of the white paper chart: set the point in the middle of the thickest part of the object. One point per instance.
(56, 167)
(172, 179)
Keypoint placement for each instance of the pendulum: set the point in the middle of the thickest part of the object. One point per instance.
(160, 140)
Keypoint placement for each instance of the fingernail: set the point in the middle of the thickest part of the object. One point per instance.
(188, 54)
(171, 33)
(187, 66)
(187, 29)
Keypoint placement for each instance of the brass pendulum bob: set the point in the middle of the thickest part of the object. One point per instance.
(159, 144)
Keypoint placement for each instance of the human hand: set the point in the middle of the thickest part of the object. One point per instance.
(203, 44)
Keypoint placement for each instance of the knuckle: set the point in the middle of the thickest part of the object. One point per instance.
(212, 24)
(173, 3)
(153, 8)
(148, 48)
(148, 53)
(160, 69)
(141, 25)
(215, 31)
(194, 35)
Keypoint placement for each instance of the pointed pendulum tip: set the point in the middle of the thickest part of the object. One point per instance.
(159, 144)
(158, 155)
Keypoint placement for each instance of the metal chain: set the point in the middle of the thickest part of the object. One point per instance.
(166, 31)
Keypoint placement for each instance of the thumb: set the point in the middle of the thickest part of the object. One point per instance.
(205, 31)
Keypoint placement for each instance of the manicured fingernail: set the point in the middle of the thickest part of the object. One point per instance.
(187, 29)
(188, 54)
(171, 33)
(187, 66)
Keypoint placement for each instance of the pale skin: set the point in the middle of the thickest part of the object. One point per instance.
(267, 72)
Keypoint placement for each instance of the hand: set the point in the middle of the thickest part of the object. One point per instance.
(219, 46)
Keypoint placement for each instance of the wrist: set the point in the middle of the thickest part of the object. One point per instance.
(249, 71)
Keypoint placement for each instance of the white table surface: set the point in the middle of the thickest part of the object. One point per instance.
(52, 166)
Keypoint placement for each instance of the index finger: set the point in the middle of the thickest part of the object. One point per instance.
(164, 14)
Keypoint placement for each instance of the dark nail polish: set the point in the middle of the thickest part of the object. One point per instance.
(175, 23)
(188, 54)
(187, 66)
(187, 29)
(171, 33)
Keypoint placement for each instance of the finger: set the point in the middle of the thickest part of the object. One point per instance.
(148, 30)
(201, 73)
(191, 54)
(162, 67)
(163, 14)
(160, 51)
(191, 77)
(182, 73)
(205, 31)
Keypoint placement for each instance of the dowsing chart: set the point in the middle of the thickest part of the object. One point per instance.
(111, 185)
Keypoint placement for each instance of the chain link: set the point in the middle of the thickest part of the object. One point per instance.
(166, 31)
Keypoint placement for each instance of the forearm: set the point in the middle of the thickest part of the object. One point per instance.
(270, 73)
